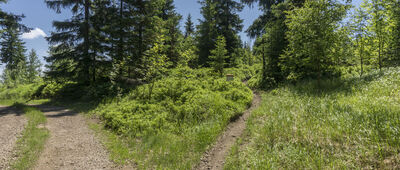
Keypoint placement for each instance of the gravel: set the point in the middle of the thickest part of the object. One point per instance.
(72, 145)
(12, 123)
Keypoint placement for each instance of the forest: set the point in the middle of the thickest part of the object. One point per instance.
(133, 84)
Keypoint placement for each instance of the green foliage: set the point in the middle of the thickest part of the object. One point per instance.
(33, 67)
(219, 55)
(189, 27)
(20, 93)
(219, 18)
(184, 115)
(342, 123)
(188, 53)
(312, 33)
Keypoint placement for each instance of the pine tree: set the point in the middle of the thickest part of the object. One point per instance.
(171, 20)
(12, 52)
(189, 27)
(220, 18)
(207, 31)
(229, 24)
(218, 55)
(33, 66)
(73, 39)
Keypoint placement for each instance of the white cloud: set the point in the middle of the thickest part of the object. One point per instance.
(35, 33)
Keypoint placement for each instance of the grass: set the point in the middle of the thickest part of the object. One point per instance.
(30, 145)
(339, 124)
(119, 151)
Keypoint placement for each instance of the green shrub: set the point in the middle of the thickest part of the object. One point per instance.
(185, 113)
(18, 94)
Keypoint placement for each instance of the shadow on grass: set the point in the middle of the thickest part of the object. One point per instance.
(324, 87)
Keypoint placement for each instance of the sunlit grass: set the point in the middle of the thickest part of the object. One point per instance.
(30, 145)
(352, 123)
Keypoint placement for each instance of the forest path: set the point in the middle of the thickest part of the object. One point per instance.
(12, 123)
(72, 145)
(215, 157)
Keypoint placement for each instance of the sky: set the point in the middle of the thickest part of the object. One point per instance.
(40, 18)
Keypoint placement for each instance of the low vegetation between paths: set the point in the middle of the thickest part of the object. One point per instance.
(173, 126)
(30, 145)
(352, 123)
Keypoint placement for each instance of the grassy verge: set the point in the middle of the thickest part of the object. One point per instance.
(346, 124)
(30, 145)
(119, 151)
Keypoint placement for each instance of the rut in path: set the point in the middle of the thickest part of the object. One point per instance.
(12, 123)
(214, 158)
(72, 145)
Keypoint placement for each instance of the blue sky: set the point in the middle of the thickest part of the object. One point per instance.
(40, 17)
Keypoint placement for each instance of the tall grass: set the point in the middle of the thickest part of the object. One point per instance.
(335, 124)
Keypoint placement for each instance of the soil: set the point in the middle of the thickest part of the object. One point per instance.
(72, 145)
(12, 123)
(215, 157)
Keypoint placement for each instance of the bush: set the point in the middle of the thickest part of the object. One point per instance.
(18, 93)
(183, 99)
(184, 115)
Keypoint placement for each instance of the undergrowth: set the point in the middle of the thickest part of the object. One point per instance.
(173, 126)
(351, 123)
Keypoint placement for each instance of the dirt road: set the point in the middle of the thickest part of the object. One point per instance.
(72, 145)
(12, 123)
(215, 157)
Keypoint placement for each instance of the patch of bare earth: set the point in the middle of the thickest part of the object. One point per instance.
(12, 124)
(214, 158)
(72, 145)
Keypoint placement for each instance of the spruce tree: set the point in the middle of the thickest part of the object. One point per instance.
(219, 55)
(12, 48)
(229, 24)
(173, 35)
(73, 39)
(207, 31)
(33, 66)
(189, 27)
(220, 17)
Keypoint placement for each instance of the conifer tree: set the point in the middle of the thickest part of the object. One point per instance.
(218, 55)
(173, 35)
(189, 27)
(73, 39)
(33, 66)
(207, 31)
(12, 48)
(220, 17)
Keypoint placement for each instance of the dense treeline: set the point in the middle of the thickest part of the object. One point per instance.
(138, 41)
(19, 68)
